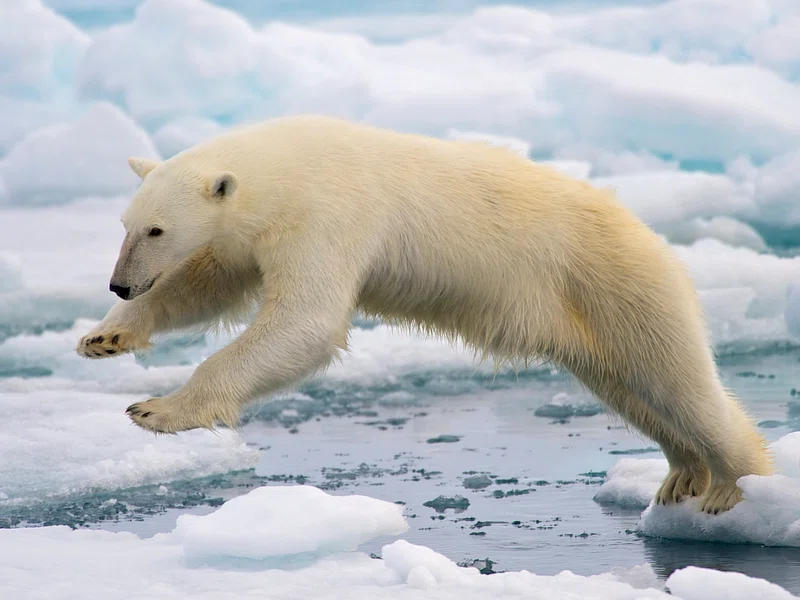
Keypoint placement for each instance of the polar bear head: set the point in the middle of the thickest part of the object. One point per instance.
(174, 212)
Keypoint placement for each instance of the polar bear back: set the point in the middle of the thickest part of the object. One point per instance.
(468, 238)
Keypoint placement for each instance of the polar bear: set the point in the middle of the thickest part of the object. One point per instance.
(309, 218)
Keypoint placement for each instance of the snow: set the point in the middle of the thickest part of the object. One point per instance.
(10, 273)
(650, 88)
(693, 583)
(776, 185)
(769, 514)
(297, 542)
(276, 521)
(727, 230)
(66, 5)
(518, 146)
(87, 156)
(778, 47)
(663, 198)
(744, 292)
(68, 441)
(168, 59)
(683, 30)
(632, 482)
(38, 47)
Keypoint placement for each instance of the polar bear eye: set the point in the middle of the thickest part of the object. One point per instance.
(155, 232)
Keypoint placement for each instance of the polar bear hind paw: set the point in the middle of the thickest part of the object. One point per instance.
(680, 484)
(721, 497)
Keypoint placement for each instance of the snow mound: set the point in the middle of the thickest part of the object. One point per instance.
(280, 521)
(624, 100)
(39, 49)
(578, 169)
(792, 313)
(163, 65)
(87, 156)
(769, 514)
(111, 454)
(775, 188)
(744, 293)
(632, 482)
(634, 101)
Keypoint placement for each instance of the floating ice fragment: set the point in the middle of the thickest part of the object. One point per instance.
(274, 521)
(695, 583)
(769, 513)
(36, 561)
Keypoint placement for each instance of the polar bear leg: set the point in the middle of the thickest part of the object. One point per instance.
(300, 328)
(701, 430)
(687, 477)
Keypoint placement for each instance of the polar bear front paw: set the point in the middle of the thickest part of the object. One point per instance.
(107, 343)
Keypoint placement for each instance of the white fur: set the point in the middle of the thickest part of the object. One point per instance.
(319, 217)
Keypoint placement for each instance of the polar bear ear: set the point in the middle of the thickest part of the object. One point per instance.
(222, 186)
(142, 166)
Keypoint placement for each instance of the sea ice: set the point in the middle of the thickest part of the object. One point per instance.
(297, 542)
(84, 157)
(161, 65)
(39, 48)
(663, 198)
(183, 133)
(693, 583)
(631, 100)
(110, 454)
(727, 230)
(769, 514)
(283, 521)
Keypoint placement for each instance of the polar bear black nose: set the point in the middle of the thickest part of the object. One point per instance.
(122, 292)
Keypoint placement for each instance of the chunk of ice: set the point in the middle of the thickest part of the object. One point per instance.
(276, 521)
(769, 514)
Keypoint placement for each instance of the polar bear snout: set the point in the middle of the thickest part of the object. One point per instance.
(122, 292)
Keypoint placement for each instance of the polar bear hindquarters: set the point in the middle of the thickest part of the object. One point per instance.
(642, 348)
(531, 264)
